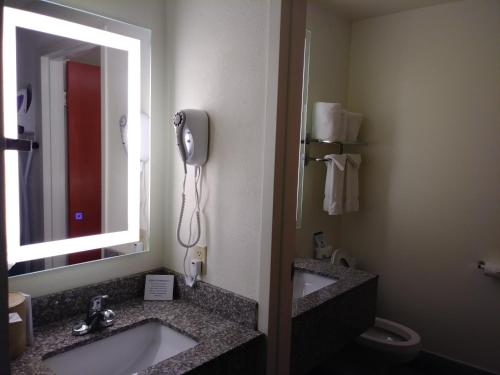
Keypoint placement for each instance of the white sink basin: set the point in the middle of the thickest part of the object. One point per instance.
(305, 283)
(123, 353)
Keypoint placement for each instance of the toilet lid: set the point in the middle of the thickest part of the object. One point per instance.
(340, 257)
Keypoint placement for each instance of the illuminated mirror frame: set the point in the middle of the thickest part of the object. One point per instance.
(14, 18)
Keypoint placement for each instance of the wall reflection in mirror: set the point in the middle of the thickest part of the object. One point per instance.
(72, 103)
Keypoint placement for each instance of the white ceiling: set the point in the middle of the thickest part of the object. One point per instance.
(360, 9)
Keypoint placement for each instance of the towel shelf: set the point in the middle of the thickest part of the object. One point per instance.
(339, 144)
(310, 158)
(308, 141)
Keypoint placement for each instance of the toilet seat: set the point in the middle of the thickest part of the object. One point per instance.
(406, 348)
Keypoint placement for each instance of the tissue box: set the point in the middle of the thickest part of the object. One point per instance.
(17, 324)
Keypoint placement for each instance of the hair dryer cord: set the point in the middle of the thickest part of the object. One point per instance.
(197, 210)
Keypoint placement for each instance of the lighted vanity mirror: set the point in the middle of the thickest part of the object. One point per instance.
(77, 86)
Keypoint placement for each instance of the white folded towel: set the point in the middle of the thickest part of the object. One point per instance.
(334, 184)
(352, 182)
(328, 122)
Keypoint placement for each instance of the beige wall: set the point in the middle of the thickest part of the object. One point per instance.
(428, 81)
(219, 59)
(151, 16)
(329, 68)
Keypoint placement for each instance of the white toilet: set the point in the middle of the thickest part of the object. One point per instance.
(395, 342)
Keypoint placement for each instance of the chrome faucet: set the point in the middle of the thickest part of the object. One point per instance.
(97, 317)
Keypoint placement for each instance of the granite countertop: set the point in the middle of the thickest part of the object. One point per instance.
(214, 334)
(347, 279)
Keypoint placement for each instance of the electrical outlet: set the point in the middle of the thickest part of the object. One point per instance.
(200, 253)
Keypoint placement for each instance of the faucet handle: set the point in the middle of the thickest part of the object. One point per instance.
(107, 318)
(97, 303)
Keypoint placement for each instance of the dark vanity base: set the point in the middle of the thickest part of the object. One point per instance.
(243, 360)
(324, 329)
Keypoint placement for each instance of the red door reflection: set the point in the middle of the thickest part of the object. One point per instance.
(84, 154)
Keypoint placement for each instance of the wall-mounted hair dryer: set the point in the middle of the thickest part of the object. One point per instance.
(191, 129)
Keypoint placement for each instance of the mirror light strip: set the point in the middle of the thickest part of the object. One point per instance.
(134, 137)
(77, 244)
(14, 18)
(67, 29)
(10, 131)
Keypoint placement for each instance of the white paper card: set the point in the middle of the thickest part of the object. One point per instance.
(159, 288)
(14, 318)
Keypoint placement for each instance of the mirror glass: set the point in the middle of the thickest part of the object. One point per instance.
(84, 185)
(66, 187)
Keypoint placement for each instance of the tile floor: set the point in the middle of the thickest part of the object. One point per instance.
(354, 361)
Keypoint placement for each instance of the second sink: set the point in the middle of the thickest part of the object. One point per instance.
(305, 283)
